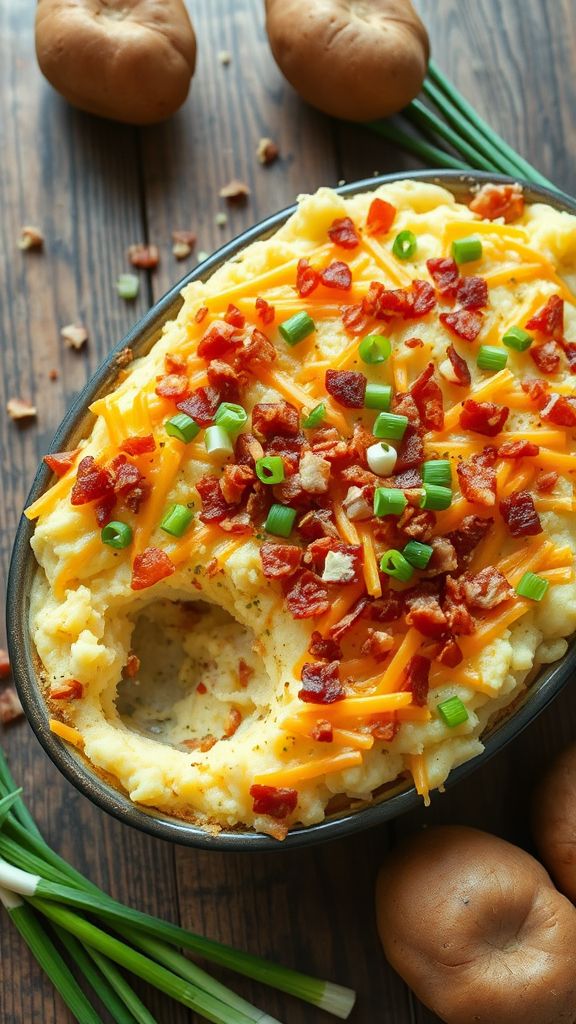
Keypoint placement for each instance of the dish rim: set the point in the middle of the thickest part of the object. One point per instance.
(76, 769)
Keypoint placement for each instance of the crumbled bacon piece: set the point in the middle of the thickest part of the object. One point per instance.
(173, 386)
(237, 524)
(495, 201)
(321, 683)
(464, 323)
(247, 450)
(201, 689)
(404, 405)
(377, 645)
(234, 317)
(132, 666)
(10, 706)
(520, 515)
(354, 318)
(4, 664)
(460, 372)
(234, 482)
(201, 314)
(477, 482)
(307, 279)
(425, 614)
(416, 679)
(569, 348)
(308, 597)
(245, 673)
(322, 731)
(275, 802)
(30, 238)
(445, 274)
(174, 363)
(203, 745)
(259, 501)
(410, 450)
(472, 292)
(183, 243)
(466, 538)
(337, 275)
(201, 405)
(256, 349)
(145, 257)
(271, 418)
(324, 648)
(338, 630)
(128, 482)
(383, 730)
(387, 608)
(423, 299)
(225, 380)
(291, 492)
(486, 589)
(149, 567)
(61, 462)
(138, 444)
(546, 356)
(428, 398)
(518, 450)
(92, 482)
(317, 552)
(537, 389)
(417, 523)
(264, 310)
(343, 233)
(267, 152)
(214, 506)
(347, 387)
(235, 191)
(217, 340)
(380, 217)
(550, 319)
(559, 410)
(280, 560)
(71, 689)
(74, 336)
(443, 558)
(232, 724)
(317, 523)
(459, 618)
(414, 343)
(450, 654)
(104, 508)
(20, 409)
(546, 481)
(483, 417)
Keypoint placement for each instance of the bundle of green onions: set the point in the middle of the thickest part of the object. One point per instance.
(59, 912)
(455, 129)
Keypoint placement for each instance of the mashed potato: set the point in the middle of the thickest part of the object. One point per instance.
(289, 565)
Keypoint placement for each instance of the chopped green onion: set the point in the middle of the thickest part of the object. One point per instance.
(418, 554)
(280, 520)
(389, 501)
(435, 497)
(183, 427)
(532, 586)
(491, 357)
(297, 327)
(177, 520)
(378, 396)
(128, 286)
(390, 425)
(517, 338)
(374, 348)
(453, 711)
(315, 417)
(466, 250)
(218, 441)
(394, 564)
(270, 469)
(116, 535)
(405, 245)
(437, 471)
(231, 417)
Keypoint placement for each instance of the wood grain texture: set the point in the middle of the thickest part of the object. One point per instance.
(94, 188)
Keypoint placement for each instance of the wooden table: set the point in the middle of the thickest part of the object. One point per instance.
(94, 188)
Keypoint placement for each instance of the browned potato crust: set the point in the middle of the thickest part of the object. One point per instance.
(129, 60)
(476, 928)
(554, 821)
(355, 59)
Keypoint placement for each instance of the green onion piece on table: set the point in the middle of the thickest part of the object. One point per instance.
(390, 426)
(378, 396)
(116, 535)
(466, 250)
(270, 469)
(517, 338)
(231, 417)
(297, 327)
(453, 711)
(374, 348)
(280, 520)
(128, 286)
(491, 357)
(389, 501)
(418, 554)
(437, 471)
(435, 497)
(315, 417)
(183, 427)
(394, 564)
(532, 586)
(405, 245)
(218, 441)
(177, 520)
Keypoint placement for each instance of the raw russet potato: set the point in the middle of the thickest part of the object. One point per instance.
(476, 928)
(354, 59)
(128, 60)
(554, 821)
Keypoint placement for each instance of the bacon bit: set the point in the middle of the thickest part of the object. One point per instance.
(4, 664)
(234, 316)
(308, 597)
(426, 615)
(234, 482)
(417, 523)
(384, 731)
(245, 673)
(10, 706)
(487, 589)
(53, 374)
(414, 343)
(347, 387)
(518, 450)
(460, 369)
(61, 462)
(92, 482)
(416, 679)
(337, 631)
(201, 314)
(214, 506)
(218, 340)
(184, 242)
(124, 357)
(104, 508)
(280, 560)
(538, 390)
(201, 405)
(464, 323)
(429, 399)
(483, 417)
(520, 515)
(307, 279)
(459, 618)
(380, 217)
(322, 731)
(317, 551)
(201, 689)
(70, 690)
(174, 363)
(203, 745)
(272, 418)
(20, 409)
(343, 233)
(337, 275)
(354, 318)
(443, 558)
(451, 654)
(235, 191)
(410, 450)
(388, 608)
(74, 335)
(264, 311)
(234, 721)
(404, 405)
(138, 445)
(145, 257)
(550, 319)
(132, 666)
(267, 152)
(546, 482)
(226, 380)
(472, 292)
(256, 349)
(559, 410)
(278, 803)
(546, 357)
(259, 501)
(149, 567)
(317, 523)
(570, 353)
(30, 238)
(494, 201)
(477, 482)
(321, 683)
(248, 450)
(446, 276)
(423, 300)
(173, 386)
(377, 644)
(324, 648)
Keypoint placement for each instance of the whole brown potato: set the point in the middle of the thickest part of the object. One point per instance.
(476, 928)
(129, 60)
(355, 59)
(554, 821)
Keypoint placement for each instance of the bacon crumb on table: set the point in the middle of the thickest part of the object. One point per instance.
(10, 707)
(20, 409)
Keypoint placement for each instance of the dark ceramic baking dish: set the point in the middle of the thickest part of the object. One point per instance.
(77, 424)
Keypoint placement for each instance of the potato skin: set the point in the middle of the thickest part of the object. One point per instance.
(476, 928)
(129, 60)
(353, 59)
(554, 821)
